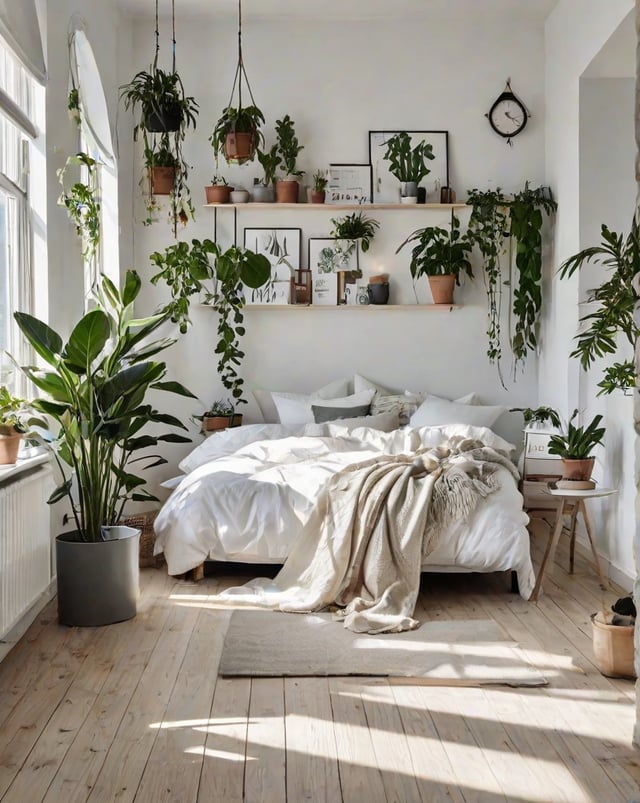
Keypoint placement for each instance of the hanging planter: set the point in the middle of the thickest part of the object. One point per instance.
(162, 179)
(237, 133)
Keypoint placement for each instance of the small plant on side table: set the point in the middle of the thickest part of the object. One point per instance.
(576, 446)
(220, 415)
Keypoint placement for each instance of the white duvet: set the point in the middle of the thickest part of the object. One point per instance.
(249, 492)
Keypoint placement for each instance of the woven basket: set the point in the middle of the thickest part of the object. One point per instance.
(144, 523)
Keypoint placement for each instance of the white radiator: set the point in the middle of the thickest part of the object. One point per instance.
(25, 544)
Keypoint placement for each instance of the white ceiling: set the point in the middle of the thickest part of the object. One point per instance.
(339, 9)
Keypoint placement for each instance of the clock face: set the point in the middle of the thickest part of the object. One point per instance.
(508, 116)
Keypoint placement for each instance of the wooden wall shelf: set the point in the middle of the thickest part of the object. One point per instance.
(327, 307)
(335, 207)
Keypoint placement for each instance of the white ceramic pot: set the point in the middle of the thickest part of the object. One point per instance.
(239, 196)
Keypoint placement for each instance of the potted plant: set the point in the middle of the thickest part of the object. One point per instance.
(218, 192)
(442, 255)
(16, 415)
(575, 448)
(288, 149)
(536, 417)
(98, 382)
(237, 134)
(356, 227)
(162, 168)
(220, 415)
(407, 164)
(263, 191)
(165, 115)
(320, 182)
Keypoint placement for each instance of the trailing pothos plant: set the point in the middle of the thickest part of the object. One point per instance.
(616, 297)
(504, 226)
(81, 199)
(187, 269)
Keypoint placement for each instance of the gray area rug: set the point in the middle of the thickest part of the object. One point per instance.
(274, 644)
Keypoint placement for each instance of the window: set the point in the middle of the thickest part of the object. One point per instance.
(16, 285)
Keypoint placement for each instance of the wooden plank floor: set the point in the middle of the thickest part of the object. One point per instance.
(135, 712)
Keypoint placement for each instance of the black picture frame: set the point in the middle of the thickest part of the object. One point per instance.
(385, 187)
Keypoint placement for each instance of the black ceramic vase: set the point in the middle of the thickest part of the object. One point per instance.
(378, 293)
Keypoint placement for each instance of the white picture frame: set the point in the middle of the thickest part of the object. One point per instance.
(282, 247)
(328, 257)
(348, 184)
(386, 187)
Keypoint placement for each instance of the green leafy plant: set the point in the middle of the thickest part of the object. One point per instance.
(183, 269)
(242, 120)
(16, 414)
(499, 226)
(97, 383)
(73, 105)
(219, 181)
(234, 268)
(538, 415)
(220, 407)
(616, 298)
(356, 226)
(165, 114)
(320, 181)
(81, 199)
(439, 251)
(288, 146)
(578, 442)
(407, 163)
(270, 161)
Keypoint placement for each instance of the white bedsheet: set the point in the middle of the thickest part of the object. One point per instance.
(250, 503)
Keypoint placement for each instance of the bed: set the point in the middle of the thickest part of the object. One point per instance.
(246, 494)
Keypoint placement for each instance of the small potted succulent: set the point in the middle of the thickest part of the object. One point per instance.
(218, 192)
(16, 415)
(407, 164)
(442, 255)
(237, 134)
(320, 181)
(575, 447)
(288, 148)
(263, 191)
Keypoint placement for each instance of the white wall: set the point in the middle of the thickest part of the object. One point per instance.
(337, 81)
(607, 195)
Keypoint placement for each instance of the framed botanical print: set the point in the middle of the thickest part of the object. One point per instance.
(282, 247)
(386, 187)
(327, 258)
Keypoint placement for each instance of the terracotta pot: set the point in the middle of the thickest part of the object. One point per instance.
(287, 191)
(239, 147)
(577, 469)
(162, 180)
(317, 197)
(442, 288)
(218, 193)
(613, 648)
(214, 423)
(9, 447)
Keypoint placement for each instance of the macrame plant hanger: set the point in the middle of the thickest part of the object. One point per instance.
(235, 149)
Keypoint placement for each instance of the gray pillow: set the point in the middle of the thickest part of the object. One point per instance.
(324, 413)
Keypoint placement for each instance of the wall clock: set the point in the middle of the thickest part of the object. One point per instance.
(508, 115)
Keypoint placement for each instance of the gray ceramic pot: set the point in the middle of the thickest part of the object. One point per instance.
(98, 583)
(262, 194)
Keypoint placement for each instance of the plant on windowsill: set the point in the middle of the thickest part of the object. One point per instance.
(98, 383)
(16, 417)
(288, 148)
(442, 255)
(575, 447)
(407, 164)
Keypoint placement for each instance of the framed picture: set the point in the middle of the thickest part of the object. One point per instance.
(282, 247)
(349, 184)
(328, 258)
(386, 187)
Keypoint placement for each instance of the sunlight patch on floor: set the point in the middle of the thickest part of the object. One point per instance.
(225, 755)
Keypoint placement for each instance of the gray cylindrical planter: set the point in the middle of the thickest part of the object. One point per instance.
(98, 583)
(262, 194)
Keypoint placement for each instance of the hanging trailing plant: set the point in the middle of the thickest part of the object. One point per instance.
(500, 225)
(82, 202)
(488, 230)
(525, 218)
(165, 115)
(616, 298)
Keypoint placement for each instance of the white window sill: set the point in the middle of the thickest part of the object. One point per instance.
(26, 464)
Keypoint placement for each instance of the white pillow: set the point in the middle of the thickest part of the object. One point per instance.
(434, 412)
(470, 398)
(269, 411)
(298, 410)
(385, 422)
(360, 383)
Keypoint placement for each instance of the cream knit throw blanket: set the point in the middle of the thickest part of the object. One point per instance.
(374, 523)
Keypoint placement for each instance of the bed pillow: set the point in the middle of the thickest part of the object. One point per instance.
(361, 383)
(264, 398)
(298, 410)
(434, 412)
(470, 398)
(322, 414)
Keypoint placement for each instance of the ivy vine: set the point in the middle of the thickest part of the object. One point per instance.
(82, 202)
